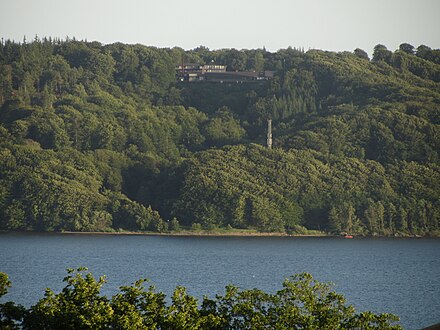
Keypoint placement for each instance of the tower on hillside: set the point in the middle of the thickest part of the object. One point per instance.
(269, 133)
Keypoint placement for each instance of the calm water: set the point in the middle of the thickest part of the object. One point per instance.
(401, 276)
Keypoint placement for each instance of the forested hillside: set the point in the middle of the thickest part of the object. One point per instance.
(100, 137)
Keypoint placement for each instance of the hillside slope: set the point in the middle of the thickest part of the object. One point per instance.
(103, 137)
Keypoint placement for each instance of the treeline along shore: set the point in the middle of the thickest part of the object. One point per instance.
(102, 138)
(197, 233)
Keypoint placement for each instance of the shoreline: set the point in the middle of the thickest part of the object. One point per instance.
(185, 233)
(174, 234)
(199, 234)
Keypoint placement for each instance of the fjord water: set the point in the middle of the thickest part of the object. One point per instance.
(400, 276)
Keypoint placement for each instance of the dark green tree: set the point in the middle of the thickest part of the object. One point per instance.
(407, 48)
(11, 314)
(381, 53)
(361, 53)
(302, 303)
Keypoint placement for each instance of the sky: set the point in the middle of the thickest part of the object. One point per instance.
(335, 25)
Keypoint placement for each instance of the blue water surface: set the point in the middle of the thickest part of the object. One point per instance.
(400, 276)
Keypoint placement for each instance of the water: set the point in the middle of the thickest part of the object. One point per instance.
(401, 276)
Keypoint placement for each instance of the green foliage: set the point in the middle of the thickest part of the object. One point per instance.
(4, 284)
(137, 308)
(361, 53)
(223, 128)
(10, 314)
(381, 53)
(196, 227)
(273, 190)
(102, 137)
(303, 302)
(174, 224)
(78, 306)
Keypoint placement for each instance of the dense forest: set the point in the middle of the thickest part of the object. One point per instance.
(303, 303)
(100, 137)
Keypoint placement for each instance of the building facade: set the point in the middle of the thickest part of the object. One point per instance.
(191, 72)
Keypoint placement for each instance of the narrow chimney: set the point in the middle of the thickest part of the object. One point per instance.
(269, 133)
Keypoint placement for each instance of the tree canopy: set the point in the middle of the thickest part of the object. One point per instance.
(100, 137)
(302, 303)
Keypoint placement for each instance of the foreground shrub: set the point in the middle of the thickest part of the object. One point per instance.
(302, 303)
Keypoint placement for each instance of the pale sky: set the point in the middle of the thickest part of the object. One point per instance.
(335, 25)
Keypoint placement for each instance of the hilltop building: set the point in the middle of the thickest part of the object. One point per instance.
(191, 72)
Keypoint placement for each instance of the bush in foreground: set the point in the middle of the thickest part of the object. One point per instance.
(302, 303)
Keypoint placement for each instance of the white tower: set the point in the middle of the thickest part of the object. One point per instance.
(269, 133)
